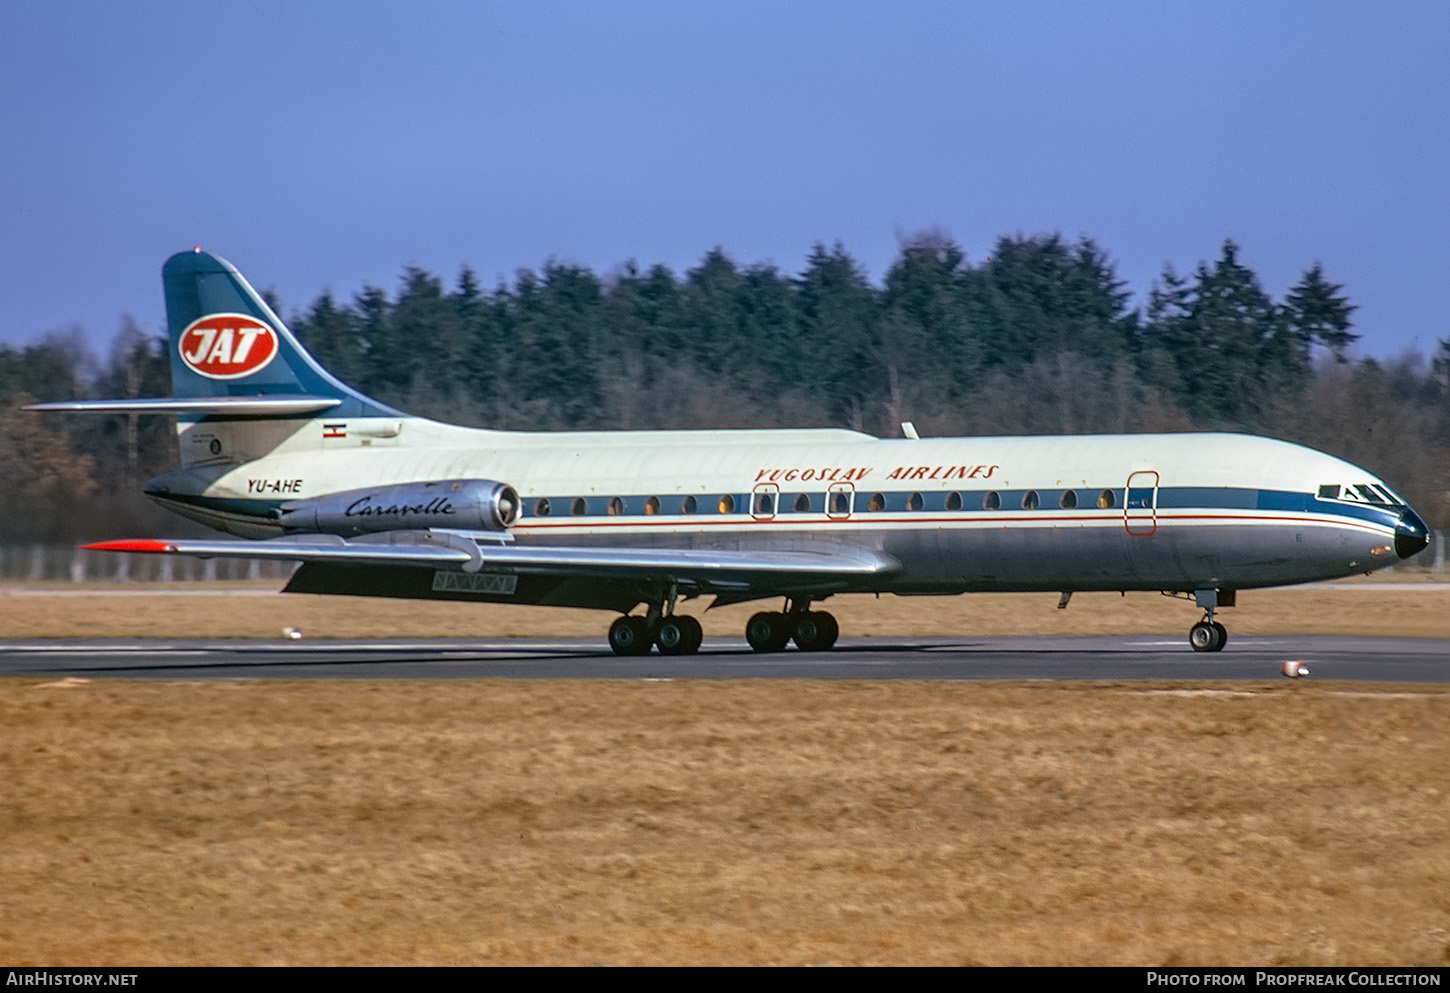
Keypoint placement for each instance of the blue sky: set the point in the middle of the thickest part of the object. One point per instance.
(328, 145)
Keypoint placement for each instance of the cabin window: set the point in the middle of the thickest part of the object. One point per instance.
(1030, 500)
(616, 506)
(727, 504)
(579, 508)
(802, 504)
(652, 505)
(1106, 500)
(764, 505)
(992, 501)
(915, 502)
(954, 501)
(877, 503)
(688, 505)
(840, 502)
(1068, 500)
(541, 508)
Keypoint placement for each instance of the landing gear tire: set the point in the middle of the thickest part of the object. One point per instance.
(679, 635)
(630, 636)
(815, 631)
(767, 632)
(1207, 637)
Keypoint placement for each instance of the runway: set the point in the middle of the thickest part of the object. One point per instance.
(1405, 660)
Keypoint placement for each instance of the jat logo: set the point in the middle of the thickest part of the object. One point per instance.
(227, 346)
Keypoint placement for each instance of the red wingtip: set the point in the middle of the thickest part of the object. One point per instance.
(129, 545)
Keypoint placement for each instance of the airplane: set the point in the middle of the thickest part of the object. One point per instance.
(373, 502)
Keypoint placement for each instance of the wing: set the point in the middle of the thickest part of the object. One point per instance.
(450, 565)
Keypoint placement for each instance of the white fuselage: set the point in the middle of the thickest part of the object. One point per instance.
(1172, 512)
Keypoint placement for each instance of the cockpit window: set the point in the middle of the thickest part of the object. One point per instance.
(1374, 493)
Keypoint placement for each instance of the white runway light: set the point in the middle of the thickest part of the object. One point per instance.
(292, 633)
(1294, 669)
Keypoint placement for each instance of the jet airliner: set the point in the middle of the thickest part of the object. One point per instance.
(373, 502)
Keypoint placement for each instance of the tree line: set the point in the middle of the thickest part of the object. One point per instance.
(1040, 337)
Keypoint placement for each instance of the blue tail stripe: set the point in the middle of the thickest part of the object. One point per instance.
(198, 284)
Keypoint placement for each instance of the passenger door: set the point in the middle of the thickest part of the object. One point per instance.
(1140, 503)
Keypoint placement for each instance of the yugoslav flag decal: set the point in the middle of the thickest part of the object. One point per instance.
(227, 346)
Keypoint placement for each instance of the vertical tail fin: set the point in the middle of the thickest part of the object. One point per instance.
(241, 384)
(226, 342)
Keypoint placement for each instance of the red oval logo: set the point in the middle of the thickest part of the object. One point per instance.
(227, 346)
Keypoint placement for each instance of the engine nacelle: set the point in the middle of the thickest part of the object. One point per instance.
(462, 504)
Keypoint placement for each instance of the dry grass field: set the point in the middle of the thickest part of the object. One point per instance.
(715, 822)
(238, 610)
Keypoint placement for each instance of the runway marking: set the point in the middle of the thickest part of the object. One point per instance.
(83, 649)
(1239, 642)
(1195, 692)
(271, 647)
(69, 682)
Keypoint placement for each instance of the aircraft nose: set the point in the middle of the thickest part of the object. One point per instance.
(1411, 534)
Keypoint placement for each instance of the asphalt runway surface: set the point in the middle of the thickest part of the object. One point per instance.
(1407, 660)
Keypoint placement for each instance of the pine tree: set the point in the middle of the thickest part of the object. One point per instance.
(1222, 342)
(928, 347)
(836, 313)
(1317, 314)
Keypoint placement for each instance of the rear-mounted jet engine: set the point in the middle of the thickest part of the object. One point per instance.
(459, 504)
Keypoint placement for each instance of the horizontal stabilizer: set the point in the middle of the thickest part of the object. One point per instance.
(225, 406)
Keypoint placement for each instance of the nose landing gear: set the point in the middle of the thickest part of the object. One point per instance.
(1208, 635)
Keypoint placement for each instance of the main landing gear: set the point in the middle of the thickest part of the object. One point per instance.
(677, 634)
(812, 630)
(680, 634)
